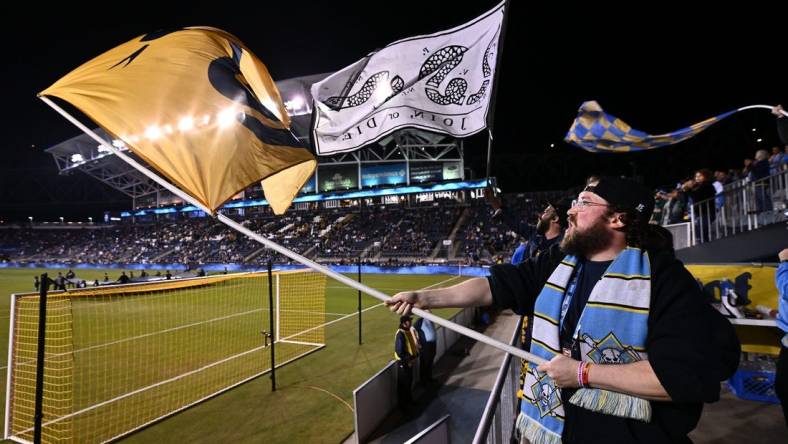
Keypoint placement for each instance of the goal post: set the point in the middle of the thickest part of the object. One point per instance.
(120, 357)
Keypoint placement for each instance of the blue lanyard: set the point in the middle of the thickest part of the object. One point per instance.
(570, 293)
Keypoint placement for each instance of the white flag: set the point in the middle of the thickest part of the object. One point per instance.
(440, 82)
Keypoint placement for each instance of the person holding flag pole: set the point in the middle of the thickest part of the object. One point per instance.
(634, 350)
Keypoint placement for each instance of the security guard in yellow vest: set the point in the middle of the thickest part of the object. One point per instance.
(406, 351)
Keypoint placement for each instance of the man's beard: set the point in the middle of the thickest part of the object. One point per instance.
(542, 226)
(587, 242)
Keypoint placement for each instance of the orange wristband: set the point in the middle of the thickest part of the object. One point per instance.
(586, 368)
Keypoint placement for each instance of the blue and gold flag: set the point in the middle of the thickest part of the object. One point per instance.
(597, 131)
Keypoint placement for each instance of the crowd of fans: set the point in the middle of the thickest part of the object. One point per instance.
(380, 234)
(708, 189)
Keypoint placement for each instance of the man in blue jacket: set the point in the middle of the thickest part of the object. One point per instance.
(781, 380)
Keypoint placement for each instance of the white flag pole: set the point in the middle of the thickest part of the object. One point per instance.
(785, 113)
(292, 254)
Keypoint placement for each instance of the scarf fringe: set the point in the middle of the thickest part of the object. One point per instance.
(613, 403)
(531, 431)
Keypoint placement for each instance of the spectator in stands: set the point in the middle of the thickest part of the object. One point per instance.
(722, 177)
(550, 227)
(406, 351)
(675, 207)
(745, 172)
(759, 171)
(660, 198)
(776, 160)
(719, 190)
(427, 342)
(781, 379)
(681, 352)
(700, 190)
(123, 278)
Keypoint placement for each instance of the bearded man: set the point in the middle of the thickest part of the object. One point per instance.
(633, 349)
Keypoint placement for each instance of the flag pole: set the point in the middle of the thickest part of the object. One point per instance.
(289, 253)
(494, 89)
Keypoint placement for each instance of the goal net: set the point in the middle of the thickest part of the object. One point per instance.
(120, 357)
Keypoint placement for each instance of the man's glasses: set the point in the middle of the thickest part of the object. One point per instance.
(581, 204)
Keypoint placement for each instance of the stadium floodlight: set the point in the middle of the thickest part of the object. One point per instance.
(90, 219)
(117, 143)
(153, 132)
(759, 140)
(185, 124)
(30, 218)
(294, 104)
(61, 219)
(227, 117)
(77, 158)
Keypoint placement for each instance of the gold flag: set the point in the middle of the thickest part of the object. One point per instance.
(200, 108)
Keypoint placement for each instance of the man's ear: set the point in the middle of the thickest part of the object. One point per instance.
(618, 221)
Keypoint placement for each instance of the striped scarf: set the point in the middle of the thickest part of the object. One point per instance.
(611, 330)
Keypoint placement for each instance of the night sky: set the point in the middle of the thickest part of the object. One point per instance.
(659, 69)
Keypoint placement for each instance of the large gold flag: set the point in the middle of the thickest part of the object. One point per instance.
(200, 108)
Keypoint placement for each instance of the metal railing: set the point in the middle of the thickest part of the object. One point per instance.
(742, 206)
(498, 420)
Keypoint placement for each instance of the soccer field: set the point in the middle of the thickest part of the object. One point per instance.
(313, 401)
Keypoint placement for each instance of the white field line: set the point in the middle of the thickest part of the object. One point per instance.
(146, 335)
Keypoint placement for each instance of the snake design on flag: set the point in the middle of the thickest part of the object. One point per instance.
(439, 65)
(367, 90)
(486, 71)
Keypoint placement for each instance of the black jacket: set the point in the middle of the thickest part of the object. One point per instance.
(691, 347)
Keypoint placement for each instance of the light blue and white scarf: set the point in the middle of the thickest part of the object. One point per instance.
(611, 330)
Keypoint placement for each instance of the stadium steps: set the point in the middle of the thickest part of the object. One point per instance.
(466, 214)
(161, 256)
(452, 234)
(365, 252)
(254, 254)
(309, 251)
